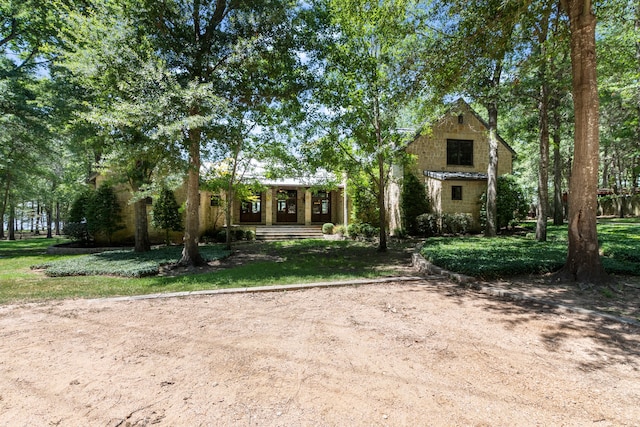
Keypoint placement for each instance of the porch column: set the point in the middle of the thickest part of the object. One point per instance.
(307, 207)
(269, 206)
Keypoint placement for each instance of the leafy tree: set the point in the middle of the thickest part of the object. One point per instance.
(166, 213)
(511, 203)
(473, 48)
(414, 202)
(363, 89)
(207, 45)
(103, 213)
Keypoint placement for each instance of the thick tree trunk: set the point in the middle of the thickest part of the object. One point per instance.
(543, 167)
(558, 207)
(491, 228)
(141, 232)
(191, 251)
(583, 259)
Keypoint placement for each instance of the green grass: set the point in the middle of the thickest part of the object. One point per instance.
(512, 255)
(299, 262)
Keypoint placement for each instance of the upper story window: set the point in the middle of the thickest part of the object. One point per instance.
(460, 152)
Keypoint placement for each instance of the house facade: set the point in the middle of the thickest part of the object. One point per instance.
(302, 201)
(451, 159)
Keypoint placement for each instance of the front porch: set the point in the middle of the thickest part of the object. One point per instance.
(294, 206)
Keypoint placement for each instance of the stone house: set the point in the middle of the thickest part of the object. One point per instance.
(451, 158)
(295, 201)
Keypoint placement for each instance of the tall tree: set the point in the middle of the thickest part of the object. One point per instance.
(204, 44)
(364, 87)
(470, 55)
(583, 259)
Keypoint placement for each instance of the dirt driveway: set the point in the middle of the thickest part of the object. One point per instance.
(424, 353)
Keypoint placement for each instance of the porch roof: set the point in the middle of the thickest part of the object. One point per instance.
(459, 176)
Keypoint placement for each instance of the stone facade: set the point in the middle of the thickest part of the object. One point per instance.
(429, 149)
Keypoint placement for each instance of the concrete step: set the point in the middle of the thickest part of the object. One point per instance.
(288, 232)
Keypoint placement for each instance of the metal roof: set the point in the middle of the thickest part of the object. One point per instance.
(460, 176)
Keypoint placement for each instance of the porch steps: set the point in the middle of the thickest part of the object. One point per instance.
(288, 232)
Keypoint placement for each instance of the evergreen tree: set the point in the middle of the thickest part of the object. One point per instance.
(414, 202)
(166, 213)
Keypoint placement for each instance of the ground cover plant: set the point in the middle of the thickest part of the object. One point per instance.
(512, 255)
(126, 263)
(270, 263)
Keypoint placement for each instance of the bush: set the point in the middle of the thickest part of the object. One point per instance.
(428, 225)
(166, 213)
(511, 205)
(368, 231)
(340, 230)
(222, 236)
(353, 230)
(77, 231)
(239, 234)
(249, 235)
(458, 223)
(328, 228)
(400, 233)
(413, 201)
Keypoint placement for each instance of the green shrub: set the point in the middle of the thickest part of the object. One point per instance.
(511, 205)
(221, 236)
(77, 231)
(368, 231)
(340, 230)
(400, 233)
(457, 223)
(413, 202)
(250, 235)
(166, 213)
(103, 213)
(428, 225)
(353, 230)
(239, 234)
(328, 228)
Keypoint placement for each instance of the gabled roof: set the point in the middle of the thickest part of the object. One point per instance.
(461, 104)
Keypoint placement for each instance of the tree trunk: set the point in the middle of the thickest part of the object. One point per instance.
(12, 222)
(49, 212)
(543, 167)
(558, 207)
(141, 232)
(382, 212)
(583, 259)
(191, 251)
(57, 218)
(382, 246)
(491, 228)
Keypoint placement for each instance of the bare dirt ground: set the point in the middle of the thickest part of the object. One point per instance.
(421, 353)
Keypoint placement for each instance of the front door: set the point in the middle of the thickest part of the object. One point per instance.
(321, 207)
(251, 210)
(287, 206)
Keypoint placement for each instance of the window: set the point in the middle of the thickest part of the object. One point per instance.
(456, 192)
(459, 152)
(215, 200)
(460, 119)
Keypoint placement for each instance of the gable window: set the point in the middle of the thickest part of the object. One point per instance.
(460, 152)
(456, 192)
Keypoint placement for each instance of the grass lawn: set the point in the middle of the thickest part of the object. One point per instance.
(512, 255)
(299, 262)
